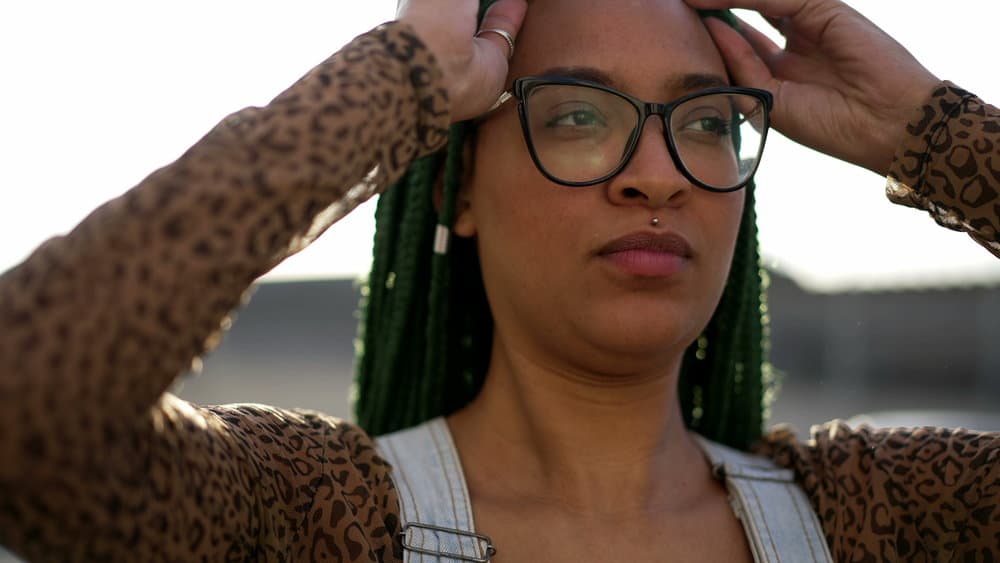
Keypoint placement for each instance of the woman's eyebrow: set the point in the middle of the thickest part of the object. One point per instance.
(683, 83)
(587, 73)
(696, 81)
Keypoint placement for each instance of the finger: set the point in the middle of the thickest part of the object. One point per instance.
(806, 19)
(762, 44)
(784, 64)
(507, 15)
(779, 24)
(773, 8)
(745, 66)
(490, 59)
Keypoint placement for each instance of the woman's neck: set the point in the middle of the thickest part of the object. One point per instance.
(592, 444)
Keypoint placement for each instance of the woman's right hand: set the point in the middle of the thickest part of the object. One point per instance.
(475, 68)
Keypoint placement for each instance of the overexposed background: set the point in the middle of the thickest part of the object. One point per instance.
(96, 95)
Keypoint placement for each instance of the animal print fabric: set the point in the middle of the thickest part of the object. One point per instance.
(921, 495)
(98, 462)
(949, 164)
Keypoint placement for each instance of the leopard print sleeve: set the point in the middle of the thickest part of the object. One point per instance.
(97, 461)
(948, 164)
(923, 494)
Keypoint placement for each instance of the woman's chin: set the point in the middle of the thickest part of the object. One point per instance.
(648, 328)
(638, 348)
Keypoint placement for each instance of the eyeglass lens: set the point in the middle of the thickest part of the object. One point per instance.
(580, 134)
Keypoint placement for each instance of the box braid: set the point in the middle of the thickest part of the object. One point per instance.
(426, 329)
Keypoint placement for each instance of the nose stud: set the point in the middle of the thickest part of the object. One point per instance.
(655, 222)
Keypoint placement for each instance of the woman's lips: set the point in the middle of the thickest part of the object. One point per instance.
(649, 255)
(647, 263)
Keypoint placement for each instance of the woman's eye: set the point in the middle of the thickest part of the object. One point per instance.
(576, 118)
(715, 125)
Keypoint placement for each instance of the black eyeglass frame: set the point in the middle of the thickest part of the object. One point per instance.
(523, 86)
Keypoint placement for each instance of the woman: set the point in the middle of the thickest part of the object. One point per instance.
(575, 448)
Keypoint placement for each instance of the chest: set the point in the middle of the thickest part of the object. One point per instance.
(710, 532)
(769, 520)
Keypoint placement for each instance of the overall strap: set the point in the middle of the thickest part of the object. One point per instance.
(434, 503)
(779, 521)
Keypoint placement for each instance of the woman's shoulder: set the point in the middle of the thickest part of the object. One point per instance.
(301, 434)
(921, 489)
(833, 443)
(328, 470)
(304, 450)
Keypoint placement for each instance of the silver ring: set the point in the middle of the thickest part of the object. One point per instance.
(507, 37)
(655, 222)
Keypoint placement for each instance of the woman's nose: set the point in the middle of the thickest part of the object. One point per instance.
(651, 177)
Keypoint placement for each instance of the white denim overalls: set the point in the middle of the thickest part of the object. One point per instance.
(437, 521)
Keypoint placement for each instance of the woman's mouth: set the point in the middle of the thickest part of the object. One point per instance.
(650, 255)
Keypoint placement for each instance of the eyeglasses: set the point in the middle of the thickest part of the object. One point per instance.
(581, 133)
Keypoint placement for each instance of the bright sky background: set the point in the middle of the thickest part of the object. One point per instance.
(96, 95)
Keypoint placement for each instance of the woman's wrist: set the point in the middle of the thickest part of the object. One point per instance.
(926, 136)
(433, 108)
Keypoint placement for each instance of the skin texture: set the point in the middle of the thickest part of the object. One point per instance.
(524, 220)
(584, 352)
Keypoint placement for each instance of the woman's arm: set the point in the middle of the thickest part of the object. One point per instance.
(949, 164)
(921, 494)
(96, 462)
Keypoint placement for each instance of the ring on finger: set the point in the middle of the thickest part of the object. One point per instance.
(506, 36)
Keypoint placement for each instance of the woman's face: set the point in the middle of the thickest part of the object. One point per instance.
(557, 294)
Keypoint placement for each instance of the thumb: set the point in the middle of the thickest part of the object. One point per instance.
(479, 89)
(507, 16)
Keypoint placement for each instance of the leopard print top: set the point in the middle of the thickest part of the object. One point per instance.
(101, 463)
(947, 167)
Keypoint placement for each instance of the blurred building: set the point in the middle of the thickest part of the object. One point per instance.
(840, 354)
(929, 353)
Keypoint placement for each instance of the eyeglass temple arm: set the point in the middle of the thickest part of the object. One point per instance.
(504, 96)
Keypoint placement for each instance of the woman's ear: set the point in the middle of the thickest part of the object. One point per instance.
(465, 224)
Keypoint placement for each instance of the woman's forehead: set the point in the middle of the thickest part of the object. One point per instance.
(626, 39)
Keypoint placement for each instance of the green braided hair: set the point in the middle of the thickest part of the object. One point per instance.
(425, 331)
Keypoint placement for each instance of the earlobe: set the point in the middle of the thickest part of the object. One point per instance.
(465, 223)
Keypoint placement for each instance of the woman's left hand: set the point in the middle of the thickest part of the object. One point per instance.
(842, 85)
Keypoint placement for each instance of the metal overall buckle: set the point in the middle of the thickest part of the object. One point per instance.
(484, 545)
